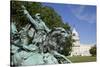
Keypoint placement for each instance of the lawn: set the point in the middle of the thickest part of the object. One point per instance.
(77, 59)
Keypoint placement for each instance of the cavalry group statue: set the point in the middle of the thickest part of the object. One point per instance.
(44, 46)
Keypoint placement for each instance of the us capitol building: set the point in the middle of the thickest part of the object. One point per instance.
(79, 49)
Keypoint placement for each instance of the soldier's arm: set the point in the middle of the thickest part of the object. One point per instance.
(29, 16)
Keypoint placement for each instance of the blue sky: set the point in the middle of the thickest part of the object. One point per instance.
(82, 17)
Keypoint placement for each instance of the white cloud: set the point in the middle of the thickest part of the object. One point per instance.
(83, 15)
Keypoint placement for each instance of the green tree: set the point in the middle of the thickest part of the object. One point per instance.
(93, 51)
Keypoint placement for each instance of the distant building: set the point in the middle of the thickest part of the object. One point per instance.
(79, 49)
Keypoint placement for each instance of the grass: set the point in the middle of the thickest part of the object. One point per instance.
(77, 59)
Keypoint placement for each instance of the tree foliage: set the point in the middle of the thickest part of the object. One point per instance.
(48, 15)
(93, 51)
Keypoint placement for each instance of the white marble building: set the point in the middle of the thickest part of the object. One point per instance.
(79, 49)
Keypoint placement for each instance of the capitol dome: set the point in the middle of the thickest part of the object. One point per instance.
(75, 34)
(75, 37)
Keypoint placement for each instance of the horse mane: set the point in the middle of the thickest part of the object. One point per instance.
(53, 41)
